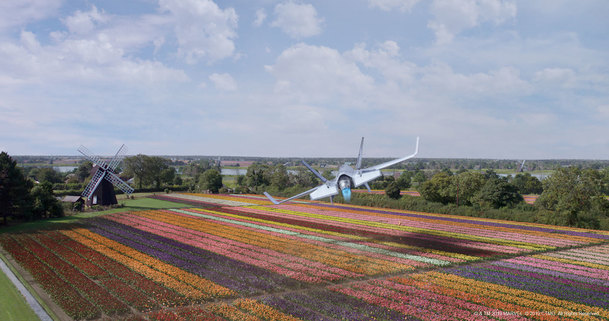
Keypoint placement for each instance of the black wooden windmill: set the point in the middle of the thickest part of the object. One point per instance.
(100, 191)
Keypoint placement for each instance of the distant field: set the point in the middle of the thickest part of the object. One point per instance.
(242, 258)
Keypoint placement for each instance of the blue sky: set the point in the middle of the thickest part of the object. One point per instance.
(473, 78)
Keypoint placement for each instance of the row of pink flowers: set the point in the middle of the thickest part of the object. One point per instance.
(269, 259)
(333, 257)
(561, 267)
(465, 228)
(395, 230)
(451, 257)
(330, 243)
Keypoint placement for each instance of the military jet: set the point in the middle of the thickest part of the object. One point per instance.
(346, 179)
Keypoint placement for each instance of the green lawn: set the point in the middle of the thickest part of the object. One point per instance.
(12, 303)
(139, 203)
(150, 203)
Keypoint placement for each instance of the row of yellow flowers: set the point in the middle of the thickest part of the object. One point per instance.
(474, 219)
(455, 291)
(253, 199)
(345, 259)
(433, 220)
(352, 237)
(247, 310)
(185, 283)
(570, 261)
(489, 240)
(341, 259)
(526, 299)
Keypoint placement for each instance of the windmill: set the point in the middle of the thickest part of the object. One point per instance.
(100, 191)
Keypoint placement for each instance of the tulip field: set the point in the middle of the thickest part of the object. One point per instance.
(232, 257)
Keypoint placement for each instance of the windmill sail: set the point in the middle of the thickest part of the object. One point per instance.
(118, 182)
(118, 158)
(92, 186)
(100, 191)
(92, 158)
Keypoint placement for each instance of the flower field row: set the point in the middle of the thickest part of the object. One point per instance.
(314, 261)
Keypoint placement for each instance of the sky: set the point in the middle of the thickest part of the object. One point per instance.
(500, 79)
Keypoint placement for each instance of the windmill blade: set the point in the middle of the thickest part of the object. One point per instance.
(118, 157)
(92, 186)
(358, 165)
(89, 156)
(118, 182)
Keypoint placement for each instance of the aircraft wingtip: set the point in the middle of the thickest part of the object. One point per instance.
(273, 200)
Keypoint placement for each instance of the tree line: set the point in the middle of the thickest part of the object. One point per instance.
(571, 196)
(20, 199)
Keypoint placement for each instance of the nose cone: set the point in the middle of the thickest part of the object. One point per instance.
(347, 194)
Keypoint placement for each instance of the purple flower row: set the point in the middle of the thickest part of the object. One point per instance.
(224, 271)
(526, 281)
(329, 305)
(485, 223)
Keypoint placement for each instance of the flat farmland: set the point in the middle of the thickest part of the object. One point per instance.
(240, 258)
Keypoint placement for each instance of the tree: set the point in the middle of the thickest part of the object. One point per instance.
(211, 180)
(45, 204)
(46, 174)
(404, 180)
(134, 166)
(84, 171)
(306, 178)
(168, 176)
(393, 190)
(147, 170)
(258, 175)
(194, 169)
(15, 197)
(419, 177)
(279, 176)
(438, 189)
(465, 185)
(527, 184)
(496, 193)
(572, 192)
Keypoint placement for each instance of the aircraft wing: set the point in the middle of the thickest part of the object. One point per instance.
(276, 202)
(392, 162)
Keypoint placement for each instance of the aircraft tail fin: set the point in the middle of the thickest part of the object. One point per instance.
(358, 165)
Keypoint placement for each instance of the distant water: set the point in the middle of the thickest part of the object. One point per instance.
(233, 171)
(64, 169)
(539, 176)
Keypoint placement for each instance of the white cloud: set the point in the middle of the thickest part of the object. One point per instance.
(260, 17)
(223, 81)
(18, 13)
(297, 20)
(317, 73)
(203, 30)
(453, 16)
(80, 60)
(85, 22)
(388, 5)
(562, 77)
(505, 80)
(385, 58)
